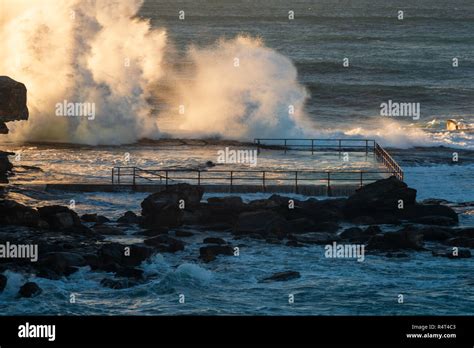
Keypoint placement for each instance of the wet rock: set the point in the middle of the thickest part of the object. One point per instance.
(62, 263)
(452, 253)
(213, 240)
(460, 242)
(430, 214)
(5, 165)
(316, 238)
(191, 195)
(114, 256)
(435, 233)
(282, 277)
(30, 289)
(129, 218)
(435, 220)
(231, 201)
(356, 234)
(181, 233)
(164, 243)
(13, 213)
(3, 282)
(381, 196)
(94, 218)
(209, 252)
(156, 231)
(403, 239)
(108, 230)
(59, 217)
(12, 102)
(464, 232)
(162, 208)
(261, 222)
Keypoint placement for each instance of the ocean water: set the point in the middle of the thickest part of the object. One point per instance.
(407, 61)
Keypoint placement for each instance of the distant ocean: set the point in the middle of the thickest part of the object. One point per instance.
(407, 60)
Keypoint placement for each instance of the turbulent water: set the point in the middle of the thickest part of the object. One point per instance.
(406, 61)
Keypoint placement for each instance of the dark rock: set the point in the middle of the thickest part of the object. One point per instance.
(162, 208)
(282, 276)
(108, 230)
(434, 214)
(363, 220)
(403, 239)
(94, 218)
(261, 204)
(59, 217)
(435, 233)
(12, 102)
(62, 263)
(358, 235)
(5, 164)
(3, 282)
(380, 196)
(156, 231)
(13, 213)
(164, 243)
(464, 232)
(213, 240)
(261, 222)
(230, 201)
(461, 242)
(181, 233)
(113, 256)
(129, 218)
(316, 238)
(30, 289)
(209, 252)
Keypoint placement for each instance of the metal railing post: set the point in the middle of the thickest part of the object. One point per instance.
(166, 173)
(361, 180)
(118, 175)
(296, 182)
(134, 176)
(113, 170)
(231, 180)
(329, 184)
(312, 146)
(263, 178)
(285, 145)
(199, 177)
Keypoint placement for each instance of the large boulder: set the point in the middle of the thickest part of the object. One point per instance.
(5, 166)
(261, 222)
(113, 256)
(399, 240)
(12, 102)
(30, 289)
(165, 243)
(59, 217)
(13, 213)
(163, 208)
(62, 263)
(380, 197)
(209, 252)
(430, 214)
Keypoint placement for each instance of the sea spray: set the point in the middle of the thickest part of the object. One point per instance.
(101, 53)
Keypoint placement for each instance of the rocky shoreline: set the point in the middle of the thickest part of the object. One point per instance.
(66, 241)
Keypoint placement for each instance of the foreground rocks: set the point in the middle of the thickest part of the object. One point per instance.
(67, 242)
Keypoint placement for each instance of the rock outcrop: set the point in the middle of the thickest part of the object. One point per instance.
(12, 108)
